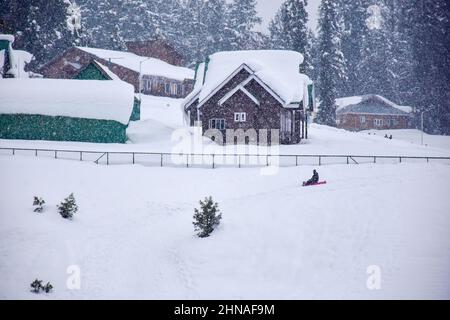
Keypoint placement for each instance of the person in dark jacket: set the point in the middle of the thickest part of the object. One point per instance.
(314, 179)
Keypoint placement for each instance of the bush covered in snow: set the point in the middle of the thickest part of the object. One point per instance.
(38, 202)
(37, 286)
(68, 207)
(207, 218)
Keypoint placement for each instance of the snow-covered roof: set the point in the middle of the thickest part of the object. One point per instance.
(106, 70)
(152, 66)
(278, 69)
(8, 37)
(91, 99)
(350, 104)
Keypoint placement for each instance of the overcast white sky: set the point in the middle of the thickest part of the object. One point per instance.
(268, 8)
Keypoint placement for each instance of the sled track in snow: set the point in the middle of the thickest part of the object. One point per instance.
(189, 160)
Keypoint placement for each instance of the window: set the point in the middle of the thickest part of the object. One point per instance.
(179, 89)
(218, 124)
(362, 119)
(173, 88)
(240, 117)
(387, 122)
(378, 122)
(148, 85)
(167, 88)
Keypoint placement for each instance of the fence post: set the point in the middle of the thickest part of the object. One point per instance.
(320, 160)
(161, 159)
(35, 153)
(133, 157)
(428, 159)
(187, 161)
(348, 161)
(14, 151)
(374, 159)
(56, 155)
(267, 160)
(400, 159)
(296, 161)
(213, 161)
(239, 160)
(107, 158)
(81, 155)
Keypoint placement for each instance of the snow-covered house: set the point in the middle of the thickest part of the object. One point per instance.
(65, 110)
(261, 89)
(371, 112)
(96, 71)
(12, 62)
(157, 77)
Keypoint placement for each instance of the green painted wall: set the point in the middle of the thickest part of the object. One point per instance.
(136, 114)
(91, 72)
(39, 127)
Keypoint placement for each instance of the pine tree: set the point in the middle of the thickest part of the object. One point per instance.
(36, 286)
(207, 218)
(242, 20)
(376, 66)
(430, 33)
(39, 203)
(332, 66)
(216, 25)
(68, 207)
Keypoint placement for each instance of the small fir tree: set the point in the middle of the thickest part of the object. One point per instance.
(207, 218)
(68, 207)
(39, 203)
(48, 287)
(36, 286)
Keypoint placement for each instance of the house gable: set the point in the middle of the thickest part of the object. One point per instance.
(234, 91)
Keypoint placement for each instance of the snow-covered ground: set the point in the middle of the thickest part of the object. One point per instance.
(133, 235)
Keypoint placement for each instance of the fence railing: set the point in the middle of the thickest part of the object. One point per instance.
(215, 159)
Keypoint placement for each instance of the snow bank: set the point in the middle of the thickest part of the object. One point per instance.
(279, 69)
(133, 240)
(152, 66)
(91, 99)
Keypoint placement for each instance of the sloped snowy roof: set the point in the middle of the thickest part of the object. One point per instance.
(352, 104)
(91, 99)
(18, 58)
(151, 66)
(106, 70)
(278, 69)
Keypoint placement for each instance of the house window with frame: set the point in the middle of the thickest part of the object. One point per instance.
(362, 119)
(387, 122)
(240, 117)
(218, 124)
(167, 88)
(378, 122)
(179, 89)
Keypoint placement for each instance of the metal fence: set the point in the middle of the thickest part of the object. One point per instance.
(215, 160)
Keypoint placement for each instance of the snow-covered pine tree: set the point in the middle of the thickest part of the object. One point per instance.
(194, 35)
(332, 66)
(353, 13)
(376, 69)
(276, 29)
(68, 207)
(207, 218)
(295, 18)
(430, 23)
(104, 23)
(242, 20)
(40, 27)
(216, 26)
(38, 202)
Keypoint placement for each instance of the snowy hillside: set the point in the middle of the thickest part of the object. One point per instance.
(133, 235)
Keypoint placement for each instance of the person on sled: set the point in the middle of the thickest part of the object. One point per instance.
(313, 180)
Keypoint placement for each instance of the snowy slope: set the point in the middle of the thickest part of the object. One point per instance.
(133, 236)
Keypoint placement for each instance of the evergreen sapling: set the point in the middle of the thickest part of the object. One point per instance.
(68, 207)
(39, 202)
(207, 218)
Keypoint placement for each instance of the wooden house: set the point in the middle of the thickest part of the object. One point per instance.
(151, 75)
(371, 112)
(251, 90)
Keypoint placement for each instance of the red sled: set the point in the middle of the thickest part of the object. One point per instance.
(314, 184)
